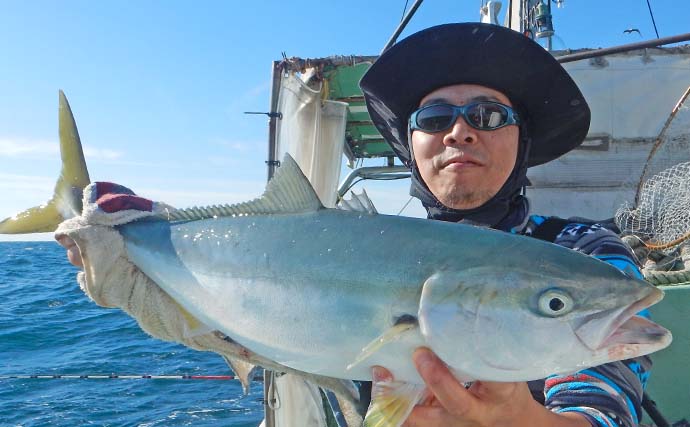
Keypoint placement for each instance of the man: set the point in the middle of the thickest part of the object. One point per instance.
(468, 108)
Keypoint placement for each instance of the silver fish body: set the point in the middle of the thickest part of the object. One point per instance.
(331, 293)
(311, 290)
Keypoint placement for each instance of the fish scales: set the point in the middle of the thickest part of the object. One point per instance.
(311, 290)
(331, 293)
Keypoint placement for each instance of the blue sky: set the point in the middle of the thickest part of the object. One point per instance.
(158, 88)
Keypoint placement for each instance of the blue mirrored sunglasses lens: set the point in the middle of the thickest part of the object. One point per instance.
(486, 116)
(435, 118)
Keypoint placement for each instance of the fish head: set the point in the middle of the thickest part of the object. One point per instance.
(521, 325)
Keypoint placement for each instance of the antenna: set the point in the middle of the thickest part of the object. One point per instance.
(488, 13)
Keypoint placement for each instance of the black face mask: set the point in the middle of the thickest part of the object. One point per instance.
(505, 210)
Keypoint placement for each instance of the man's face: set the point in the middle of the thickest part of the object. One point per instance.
(462, 166)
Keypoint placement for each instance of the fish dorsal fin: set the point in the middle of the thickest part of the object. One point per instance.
(289, 191)
(358, 203)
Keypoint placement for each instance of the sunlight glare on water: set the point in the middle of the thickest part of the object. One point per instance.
(48, 326)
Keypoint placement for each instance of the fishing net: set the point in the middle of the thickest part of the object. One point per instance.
(658, 229)
(672, 144)
(657, 225)
(662, 216)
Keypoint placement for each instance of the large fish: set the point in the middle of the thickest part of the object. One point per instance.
(333, 292)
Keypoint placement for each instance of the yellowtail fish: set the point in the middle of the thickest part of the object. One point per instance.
(333, 292)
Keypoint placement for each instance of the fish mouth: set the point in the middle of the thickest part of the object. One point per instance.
(622, 333)
(636, 337)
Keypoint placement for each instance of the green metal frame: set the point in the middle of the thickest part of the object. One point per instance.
(361, 137)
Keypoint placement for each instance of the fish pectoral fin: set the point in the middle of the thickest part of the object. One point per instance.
(391, 334)
(392, 402)
(244, 371)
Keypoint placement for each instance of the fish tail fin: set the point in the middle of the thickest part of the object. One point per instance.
(392, 402)
(67, 198)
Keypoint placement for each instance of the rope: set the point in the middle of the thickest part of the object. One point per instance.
(653, 21)
(273, 397)
(653, 273)
(404, 10)
(403, 208)
(662, 246)
(667, 278)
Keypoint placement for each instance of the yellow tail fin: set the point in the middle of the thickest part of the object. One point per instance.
(74, 176)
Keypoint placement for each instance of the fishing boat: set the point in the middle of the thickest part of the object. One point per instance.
(640, 127)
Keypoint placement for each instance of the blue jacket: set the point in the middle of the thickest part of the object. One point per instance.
(609, 395)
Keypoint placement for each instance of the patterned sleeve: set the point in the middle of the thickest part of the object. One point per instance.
(609, 395)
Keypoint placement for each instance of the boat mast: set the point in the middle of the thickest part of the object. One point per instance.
(515, 13)
(532, 18)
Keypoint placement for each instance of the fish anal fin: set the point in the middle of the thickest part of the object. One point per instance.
(244, 371)
(393, 333)
(392, 402)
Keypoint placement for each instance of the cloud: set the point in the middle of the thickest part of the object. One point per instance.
(259, 89)
(22, 192)
(186, 198)
(27, 182)
(19, 147)
(102, 153)
(240, 145)
(244, 100)
(50, 149)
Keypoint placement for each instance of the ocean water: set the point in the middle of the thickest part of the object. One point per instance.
(49, 327)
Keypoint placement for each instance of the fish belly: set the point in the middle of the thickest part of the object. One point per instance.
(296, 292)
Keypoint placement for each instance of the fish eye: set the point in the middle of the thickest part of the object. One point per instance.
(555, 303)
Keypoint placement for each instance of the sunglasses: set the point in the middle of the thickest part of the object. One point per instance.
(483, 115)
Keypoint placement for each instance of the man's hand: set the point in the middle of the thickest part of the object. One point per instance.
(484, 404)
(73, 254)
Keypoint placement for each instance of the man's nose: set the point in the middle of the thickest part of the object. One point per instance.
(460, 132)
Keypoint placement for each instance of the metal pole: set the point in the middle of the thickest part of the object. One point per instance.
(273, 119)
(372, 172)
(269, 414)
(623, 48)
(276, 76)
(402, 25)
(650, 406)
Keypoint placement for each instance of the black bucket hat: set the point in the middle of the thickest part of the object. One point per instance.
(553, 110)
